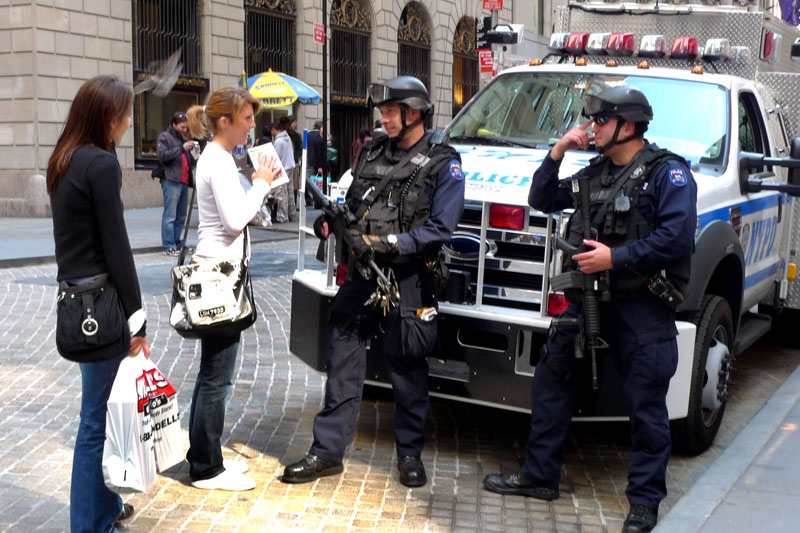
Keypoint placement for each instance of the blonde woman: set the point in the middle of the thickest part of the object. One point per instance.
(224, 209)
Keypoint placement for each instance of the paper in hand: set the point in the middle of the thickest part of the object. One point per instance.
(269, 150)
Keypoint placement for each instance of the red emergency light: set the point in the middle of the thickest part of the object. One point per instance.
(620, 44)
(556, 304)
(576, 43)
(506, 216)
(684, 48)
(341, 274)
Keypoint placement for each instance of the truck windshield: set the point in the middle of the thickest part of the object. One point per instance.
(536, 109)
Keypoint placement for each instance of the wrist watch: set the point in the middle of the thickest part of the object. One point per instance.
(392, 240)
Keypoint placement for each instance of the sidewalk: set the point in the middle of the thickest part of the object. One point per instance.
(27, 241)
(753, 485)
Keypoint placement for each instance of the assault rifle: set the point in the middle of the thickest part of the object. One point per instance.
(594, 288)
(342, 220)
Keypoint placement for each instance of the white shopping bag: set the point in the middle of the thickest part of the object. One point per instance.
(129, 463)
(164, 418)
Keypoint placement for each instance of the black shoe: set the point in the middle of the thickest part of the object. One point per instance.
(310, 468)
(412, 471)
(518, 484)
(127, 512)
(640, 518)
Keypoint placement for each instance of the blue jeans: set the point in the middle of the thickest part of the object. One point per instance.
(209, 400)
(174, 218)
(93, 508)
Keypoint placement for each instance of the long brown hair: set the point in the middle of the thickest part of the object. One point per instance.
(228, 102)
(98, 102)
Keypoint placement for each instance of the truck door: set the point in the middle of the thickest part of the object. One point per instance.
(759, 230)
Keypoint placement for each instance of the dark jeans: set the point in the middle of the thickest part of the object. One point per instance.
(209, 399)
(92, 507)
(172, 221)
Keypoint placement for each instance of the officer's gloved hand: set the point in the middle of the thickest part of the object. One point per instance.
(365, 247)
(318, 227)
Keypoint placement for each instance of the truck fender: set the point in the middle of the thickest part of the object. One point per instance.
(717, 268)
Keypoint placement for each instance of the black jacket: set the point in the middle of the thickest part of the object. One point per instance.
(317, 152)
(169, 150)
(89, 225)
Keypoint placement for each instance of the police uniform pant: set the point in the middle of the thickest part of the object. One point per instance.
(347, 333)
(641, 334)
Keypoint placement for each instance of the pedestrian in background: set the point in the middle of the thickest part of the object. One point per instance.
(224, 210)
(84, 180)
(174, 153)
(198, 128)
(266, 136)
(283, 194)
(316, 158)
(297, 148)
(364, 136)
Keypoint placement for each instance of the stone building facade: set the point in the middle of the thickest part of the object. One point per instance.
(48, 48)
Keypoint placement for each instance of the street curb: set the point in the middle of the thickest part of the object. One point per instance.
(697, 505)
(46, 259)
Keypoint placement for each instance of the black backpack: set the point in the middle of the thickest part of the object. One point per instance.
(158, 172)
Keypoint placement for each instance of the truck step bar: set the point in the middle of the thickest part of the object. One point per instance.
(752, 327)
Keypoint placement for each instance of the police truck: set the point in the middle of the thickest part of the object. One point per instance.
(724, 85)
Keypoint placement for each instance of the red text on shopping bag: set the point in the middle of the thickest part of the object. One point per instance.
(152, 387)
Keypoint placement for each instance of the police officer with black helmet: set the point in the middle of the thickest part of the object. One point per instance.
(408, 195)
(643, 213)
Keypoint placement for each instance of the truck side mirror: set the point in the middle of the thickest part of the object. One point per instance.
(794, 153)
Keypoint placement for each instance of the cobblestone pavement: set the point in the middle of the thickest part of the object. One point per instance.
(269, 421)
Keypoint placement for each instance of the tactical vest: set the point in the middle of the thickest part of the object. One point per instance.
(405, 202)
(615, 216)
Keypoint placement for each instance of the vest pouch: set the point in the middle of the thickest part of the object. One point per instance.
(91, 324)
(408, 335)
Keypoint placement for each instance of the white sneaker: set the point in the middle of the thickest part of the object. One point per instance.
(237, 467)
(226, 480)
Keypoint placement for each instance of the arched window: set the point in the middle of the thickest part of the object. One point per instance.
(269, 35)
(414, 44)
(350, 25)
(465, 63)
(159, 29)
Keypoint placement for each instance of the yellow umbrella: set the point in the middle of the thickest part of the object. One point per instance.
(275, 89)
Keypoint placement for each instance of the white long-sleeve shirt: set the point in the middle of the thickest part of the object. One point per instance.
(224, 206)
(283, 145)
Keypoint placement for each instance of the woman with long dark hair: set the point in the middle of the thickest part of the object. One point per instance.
(224, 209)
(84, 180)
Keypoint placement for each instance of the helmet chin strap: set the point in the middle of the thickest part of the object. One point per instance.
(614, 140)
(405, 127)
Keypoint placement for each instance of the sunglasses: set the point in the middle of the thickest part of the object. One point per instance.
(602, 120)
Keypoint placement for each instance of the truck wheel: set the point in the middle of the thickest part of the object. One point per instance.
(711, 371)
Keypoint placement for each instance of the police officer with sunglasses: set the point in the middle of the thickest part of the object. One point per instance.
(643, 213)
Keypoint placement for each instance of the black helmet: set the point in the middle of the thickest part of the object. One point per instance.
(406, 90)
(628, 103)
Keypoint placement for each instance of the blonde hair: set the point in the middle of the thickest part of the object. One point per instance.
(228, 102)
(196, 118)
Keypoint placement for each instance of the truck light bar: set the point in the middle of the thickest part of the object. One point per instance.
(620, 44)
(596, 45)
(576, 43)
(506, 216)
(717, 50)
(653, 46)
(684, 48)
(558, 42)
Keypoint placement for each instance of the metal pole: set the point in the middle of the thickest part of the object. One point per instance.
(325, 94)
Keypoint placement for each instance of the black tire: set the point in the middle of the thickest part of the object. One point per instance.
(714, 321)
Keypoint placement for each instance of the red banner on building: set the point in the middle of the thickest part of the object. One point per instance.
(319, 33)
(493, 5)
(485, 59)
